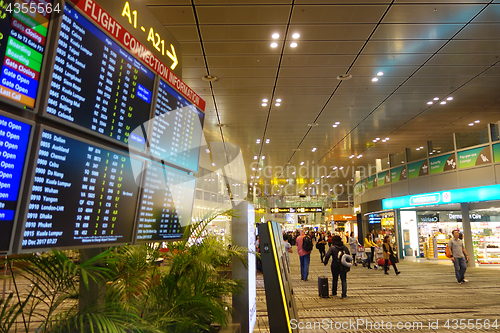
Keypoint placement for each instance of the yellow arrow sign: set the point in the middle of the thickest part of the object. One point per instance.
(172, 56)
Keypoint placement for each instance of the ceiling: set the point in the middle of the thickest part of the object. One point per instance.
(447, 48)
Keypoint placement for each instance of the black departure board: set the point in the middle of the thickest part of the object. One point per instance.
(96, 84)
(166, 203)
(177, 129)
(14, 139)
(23, 38)
(82, 194)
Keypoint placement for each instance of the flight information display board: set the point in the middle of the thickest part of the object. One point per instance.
(23, 37)
(82, 194)
(166, 203)
(177, 129)
(96, 84)
(14, 139)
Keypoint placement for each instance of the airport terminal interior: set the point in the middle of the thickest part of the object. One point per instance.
(156, 157)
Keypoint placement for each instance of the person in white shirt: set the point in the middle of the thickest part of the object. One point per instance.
(459, 256)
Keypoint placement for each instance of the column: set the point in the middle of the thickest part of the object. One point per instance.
(469, 246)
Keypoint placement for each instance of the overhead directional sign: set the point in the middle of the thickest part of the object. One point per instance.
(297, 210)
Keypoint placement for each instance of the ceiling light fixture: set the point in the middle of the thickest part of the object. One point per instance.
(343, 77)
(207, 151)
(477, 121)
(314, 149)
(275, 36)
(334, 168)
(258, 141)
(436, 98)
(274, 45)
(341, 168)
(418, 148)
(277, 104)
(449, 98)
(268, 140)
(312, 124)
(337, 123)
(293, 173)
(334, 125)
(377, 139)
(253, 169)
(374, 140)
(384, 140)
(387, 139)
(359, 156)
(265, 100)
(352, 156)
(375, 79)
(278, 100)
(430, 102)
(302, 163)
(293, 44)
(295, 35)
(471, 124)
(442, 102)
(264, 104)
(263, 157)
(255, 157)
(380, 73)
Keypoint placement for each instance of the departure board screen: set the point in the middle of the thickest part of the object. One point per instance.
(166, 204)
(82, 194)
(177, 129)
(96, 84)
(14, 139)
(22, 43)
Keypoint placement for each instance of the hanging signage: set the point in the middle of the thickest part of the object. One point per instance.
(383, 178)
(418, 169)
(343, 217)
(483, 193)
(496, 152)
(473, 157)
(442, 163)
(399, 173)
(297, 210)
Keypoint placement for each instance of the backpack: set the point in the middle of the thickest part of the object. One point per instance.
(447, 251)
(307, 244)
(338, 260)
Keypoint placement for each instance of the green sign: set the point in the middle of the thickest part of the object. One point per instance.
(372, 181)
(383, 178)
(418, 169)
(399, 173)
(496, 152)
(442, 163)
(473, 157)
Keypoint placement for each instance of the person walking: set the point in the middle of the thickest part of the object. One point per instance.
(459, 256)
(389, 255)
(330, 239)
(369, 245)
(320, 245)
(304, 256)
(336, 267)
(288, 248)
(353, 245)
(373, 238)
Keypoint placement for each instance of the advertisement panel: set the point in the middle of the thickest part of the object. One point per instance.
(473, 157)
(442, 163)
(418, 169)
(399, 173)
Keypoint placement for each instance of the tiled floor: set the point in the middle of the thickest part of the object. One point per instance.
(425, 292)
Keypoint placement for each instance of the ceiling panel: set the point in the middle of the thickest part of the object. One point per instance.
(416, 31)
(174, 15)
(326, 32)
(472, 47)
(450, 13)
(184, 33)
(243, 61)
(463, 59)
(324, 47)
(233, 33)
(243, 14)
(337, 14)
(386, 60)
(490, 15)
(480, 31)
(401, 46)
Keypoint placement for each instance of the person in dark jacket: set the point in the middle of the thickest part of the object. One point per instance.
(333, 252)
(320, 245)
(389, 255)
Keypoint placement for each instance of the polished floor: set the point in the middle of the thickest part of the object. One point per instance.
(421, 299)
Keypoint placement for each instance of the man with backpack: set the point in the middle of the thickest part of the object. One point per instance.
(336, 251)
(304, 248)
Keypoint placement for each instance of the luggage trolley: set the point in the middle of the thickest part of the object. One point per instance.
(360, 255)
(379, 254)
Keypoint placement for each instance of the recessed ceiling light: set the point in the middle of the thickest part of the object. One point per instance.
(277, 104)
(253, 169)
(436, 98)
(359, 156)
(251, 184)
(431, 153)
(337, 123)
(314, 149)
(260, 169)
(439, 151)
(264, 104)
(293, 44)
(207, 151)
(334, 168)
(384, 140)
(278, 100)
(342, 77)
(341, 168)
(258, 141)
(421, 147)
(402, 161)
(471, 124)
(295, 35)
(387, 139)
(268, 140)
(328, 176)
(449, 98)
(477, 121)
(251, 177)
(265, 100)
(274, 45)
(375, 79)
(442, 102)
(323, 176)
(352, 156)
(293, 173)
(255, 157)
(263, 157)
(312, 124)
(380, 73)
(418, 148)
(213, 164)
(334, 125)
(275, 36)
(377, 139)
(301, 163)
(341, 185)
(430, 102)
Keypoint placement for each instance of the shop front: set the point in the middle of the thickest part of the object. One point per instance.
(428, 220)
(343, 224)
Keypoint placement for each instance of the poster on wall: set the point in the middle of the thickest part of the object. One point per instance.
(442, 163)
(473, 157)
(372, 181)
(399, 173)
(496, 152)
(418, 169)
(383, 178)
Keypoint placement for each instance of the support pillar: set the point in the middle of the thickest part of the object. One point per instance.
(469, 246)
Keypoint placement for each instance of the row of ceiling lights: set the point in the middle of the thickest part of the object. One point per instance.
(375, 79)
(435, 99)
(267, 141)
(377, 139)
(265, 100)
(292, 44)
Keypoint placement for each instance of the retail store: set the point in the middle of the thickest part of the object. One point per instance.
(426, 223)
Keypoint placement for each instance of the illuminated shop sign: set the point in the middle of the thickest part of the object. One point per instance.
(473, 194)
(297, 210)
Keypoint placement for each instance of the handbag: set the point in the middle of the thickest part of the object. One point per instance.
(394, 258)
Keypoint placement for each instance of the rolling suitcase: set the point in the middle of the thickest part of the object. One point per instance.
(323, 286)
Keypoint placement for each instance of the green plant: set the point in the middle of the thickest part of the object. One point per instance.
(8, 313)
